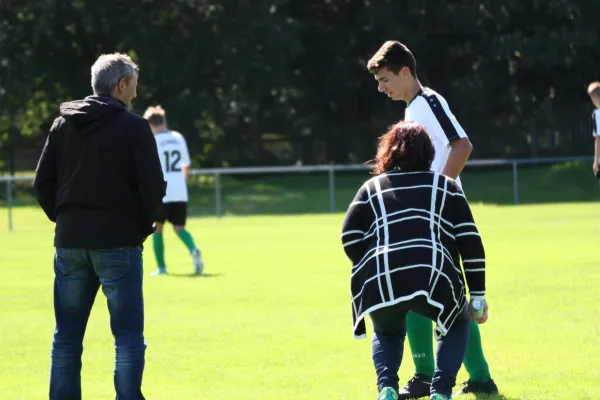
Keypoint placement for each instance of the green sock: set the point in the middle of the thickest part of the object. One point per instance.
(474, 361)
(187, 239)
(419, 330)
(159, 248)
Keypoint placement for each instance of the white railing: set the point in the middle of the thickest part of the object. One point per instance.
(330, 169)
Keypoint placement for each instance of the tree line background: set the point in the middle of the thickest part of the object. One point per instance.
(283, 82)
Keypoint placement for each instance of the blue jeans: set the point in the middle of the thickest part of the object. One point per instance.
(389, 326)
(79, 273)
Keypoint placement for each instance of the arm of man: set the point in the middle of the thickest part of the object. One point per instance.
(457, 159)
(444, 126)
(148, 174)
(45, 180)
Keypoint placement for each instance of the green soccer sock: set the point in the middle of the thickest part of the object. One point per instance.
(187, 239)
(159, 248)
(474, 361)
(419, 330)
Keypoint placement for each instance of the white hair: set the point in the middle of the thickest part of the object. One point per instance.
(109, 69)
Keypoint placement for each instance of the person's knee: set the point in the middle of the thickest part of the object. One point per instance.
(71, 340)
(130, 339)
(127, 320)
(178, 228)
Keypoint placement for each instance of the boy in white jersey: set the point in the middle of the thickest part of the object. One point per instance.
(175, 161)
(395, 70)
(594, 92)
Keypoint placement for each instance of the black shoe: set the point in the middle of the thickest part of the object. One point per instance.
(477, 387)
(418, 386)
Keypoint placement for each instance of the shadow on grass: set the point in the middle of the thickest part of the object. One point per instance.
(494, 397)
(195, 276)
(478, 396)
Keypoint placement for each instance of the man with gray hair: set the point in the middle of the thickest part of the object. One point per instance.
(99, 178)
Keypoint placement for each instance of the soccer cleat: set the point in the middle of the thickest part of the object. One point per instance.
(470, 386)
(418, 386)
(159, 271)
(387, 393)
(197, 261)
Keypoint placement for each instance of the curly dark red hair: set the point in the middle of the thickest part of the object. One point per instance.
(407, 146)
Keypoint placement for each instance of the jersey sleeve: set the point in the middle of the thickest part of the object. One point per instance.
(596, 123)
(441, 122)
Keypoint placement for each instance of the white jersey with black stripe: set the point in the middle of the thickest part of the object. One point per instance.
(431, 110)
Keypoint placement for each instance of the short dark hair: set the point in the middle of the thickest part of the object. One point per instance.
(407, 146)
(393, 55)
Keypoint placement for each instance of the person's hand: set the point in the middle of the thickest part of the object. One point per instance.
(596, 168)
(483, 317)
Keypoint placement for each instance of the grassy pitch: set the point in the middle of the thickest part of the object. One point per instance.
(271, 319)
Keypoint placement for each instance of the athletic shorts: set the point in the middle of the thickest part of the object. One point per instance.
(175, 213)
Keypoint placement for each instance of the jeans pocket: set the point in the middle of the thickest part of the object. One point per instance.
(112, 264)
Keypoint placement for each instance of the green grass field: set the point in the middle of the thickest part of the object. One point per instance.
(271, 319)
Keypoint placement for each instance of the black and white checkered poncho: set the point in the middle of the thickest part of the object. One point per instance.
(405, 233)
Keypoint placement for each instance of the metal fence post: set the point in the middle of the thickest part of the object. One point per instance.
(9, 203)
(218, 205)
(515, 182)
(331, 189)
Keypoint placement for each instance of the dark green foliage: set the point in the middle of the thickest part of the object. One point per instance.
(277, 82)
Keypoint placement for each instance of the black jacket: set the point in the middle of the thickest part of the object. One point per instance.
(406, 234)
(99, 176)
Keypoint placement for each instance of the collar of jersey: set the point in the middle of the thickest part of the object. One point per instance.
(420, 92)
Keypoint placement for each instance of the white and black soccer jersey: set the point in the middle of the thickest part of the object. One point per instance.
(405, 234)
(431, 110)
(596, 122)
(174, 156)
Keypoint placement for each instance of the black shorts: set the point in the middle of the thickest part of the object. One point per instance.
(175, 213)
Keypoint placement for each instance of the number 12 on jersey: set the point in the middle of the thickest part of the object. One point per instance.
(172, 159)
